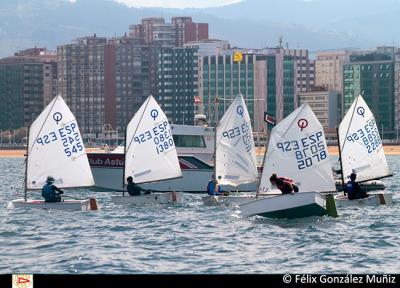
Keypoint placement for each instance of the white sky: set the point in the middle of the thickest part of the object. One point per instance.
(177, 3)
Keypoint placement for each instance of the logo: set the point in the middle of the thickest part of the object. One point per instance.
(57, 117)
(302, 123)
(240, 110)
(154, 114)
(22, 281)
(361, 111)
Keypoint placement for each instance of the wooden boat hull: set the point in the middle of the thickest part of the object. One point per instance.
(288, 206)
(146, 199)
(66, 205)
(227, 200)
(375, 198)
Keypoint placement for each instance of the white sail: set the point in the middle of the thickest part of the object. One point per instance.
(297, 150)
(235, 152)
(150, 149)
(360, 144)
(56, 149)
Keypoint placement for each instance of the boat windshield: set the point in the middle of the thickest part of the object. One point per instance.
(189, 141)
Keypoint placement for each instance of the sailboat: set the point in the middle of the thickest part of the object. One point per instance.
(55, 148)
(361, 152)
(297, 149)
(150, 155)
(235, 156)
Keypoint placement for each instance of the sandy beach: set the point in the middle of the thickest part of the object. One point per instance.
(17, 153)
(333, 151)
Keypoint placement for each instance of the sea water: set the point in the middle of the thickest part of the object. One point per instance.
(192, 238)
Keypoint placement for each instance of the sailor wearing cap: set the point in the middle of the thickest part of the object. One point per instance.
(49, 191)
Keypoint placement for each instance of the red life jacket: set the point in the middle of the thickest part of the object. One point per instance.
(286, 179)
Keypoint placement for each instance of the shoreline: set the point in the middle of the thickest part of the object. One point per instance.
(332, 150)
(20, 153)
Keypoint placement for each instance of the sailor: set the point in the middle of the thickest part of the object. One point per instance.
(134, 189)
(286, 185)
(353, 189)
(213, 187)
(49, 191)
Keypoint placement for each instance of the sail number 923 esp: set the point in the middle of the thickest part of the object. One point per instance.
(308, 150)
(243, 131)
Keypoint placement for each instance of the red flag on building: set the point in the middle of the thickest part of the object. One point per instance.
(269, 119)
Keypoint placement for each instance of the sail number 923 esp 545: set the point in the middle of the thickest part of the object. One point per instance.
(308, 150)
(68, 135)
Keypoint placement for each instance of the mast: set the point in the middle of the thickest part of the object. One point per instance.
(215, 137)
(263, 161)
(340, 160)
(123, 170)
(26, 169)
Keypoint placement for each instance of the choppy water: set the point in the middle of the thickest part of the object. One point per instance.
(192, 238)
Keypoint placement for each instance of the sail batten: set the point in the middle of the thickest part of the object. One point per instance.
(56, 149)
(151, 153)
(297, 149)
(235, 152)
(361, 145)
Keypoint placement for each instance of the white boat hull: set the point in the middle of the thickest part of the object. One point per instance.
(193, 180)
(66, 205)
(375, 198)
(227, 200)
(296, 205)
(149, 199)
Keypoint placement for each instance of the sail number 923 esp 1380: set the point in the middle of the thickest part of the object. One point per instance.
(308, 150)
(161, 136)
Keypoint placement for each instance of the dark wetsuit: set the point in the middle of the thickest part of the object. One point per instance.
(49, 193)
(134, 189)
(354, 191)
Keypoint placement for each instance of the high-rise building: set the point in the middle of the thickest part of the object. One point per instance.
(158, 34)
(267, 80)
(27, 84)
(223, 79)
(129, 57)
(372, 76)
(209, 46)
(180, 24)
(305, 68)
(156, 31)
(104, 82)
(325, 104)
(281, 91)
(329, 69)
(177, 83)
(82, 77)
(163, 38)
